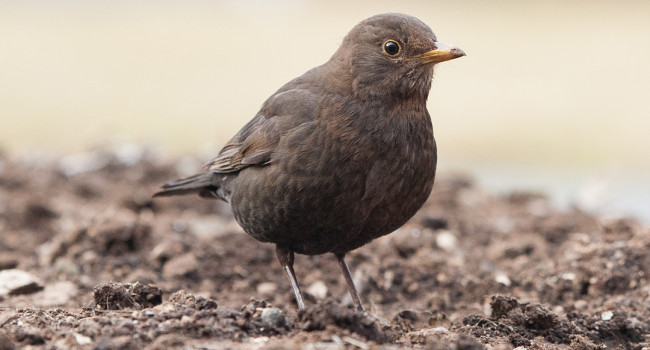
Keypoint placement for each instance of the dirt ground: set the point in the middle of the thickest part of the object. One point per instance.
(89, 261)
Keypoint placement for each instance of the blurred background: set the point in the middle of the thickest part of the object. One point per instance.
(553, 96)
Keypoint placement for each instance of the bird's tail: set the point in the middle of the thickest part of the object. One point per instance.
(201, 183)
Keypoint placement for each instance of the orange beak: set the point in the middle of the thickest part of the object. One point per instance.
(442, 52)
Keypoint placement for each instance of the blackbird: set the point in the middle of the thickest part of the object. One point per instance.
(339, 156)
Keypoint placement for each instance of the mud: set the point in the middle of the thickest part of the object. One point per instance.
(109, 268)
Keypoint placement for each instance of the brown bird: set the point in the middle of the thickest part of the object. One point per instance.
(339, 156)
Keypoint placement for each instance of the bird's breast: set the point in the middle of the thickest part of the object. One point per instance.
(326, 182)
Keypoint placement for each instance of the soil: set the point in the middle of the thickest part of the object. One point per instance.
(89, 261)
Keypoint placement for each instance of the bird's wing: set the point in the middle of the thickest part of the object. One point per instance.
(254, 144)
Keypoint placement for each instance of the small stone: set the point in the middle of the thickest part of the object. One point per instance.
(439, 320)
(607, 315)
(260, 340)
(273, 317)
(181, 266)
(407, 242)
(82, 339)
(318, 289)
(166, 250)
(64, 267)
(569, 276)
(30, 336)
(211, 227)
(504, 223)
(83, 162)
(14, 282)
(446, 241)
(435, 223)
(203, 303)
(358, 343)
(187, 320)
(8, 262)
(57, 294)
(323, 346)
(580, 305)
(502, 278)
(267, 288)
(128, 153)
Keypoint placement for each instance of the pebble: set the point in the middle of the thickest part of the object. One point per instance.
(569, 276)
(57, 294)
(180, 266)
(502, 278)
(358, 343)
(607, 315)
(260, 340)
(187, 320)
(82, 339)
(318, 289)
(128, 153)
(166, 250)
(440, 330)
(267, 288)
(211, 227)
(66, 268)
(83, 162)
(323, 346)
(14, 282)
(273, 317)
(8, 263)
(446, 241)
(580, 305)
(435, 223)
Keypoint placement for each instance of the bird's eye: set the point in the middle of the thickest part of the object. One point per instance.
(391, 48)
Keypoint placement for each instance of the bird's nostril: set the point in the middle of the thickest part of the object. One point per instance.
(457, 52)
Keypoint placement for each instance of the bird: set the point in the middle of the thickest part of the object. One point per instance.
(339, 156)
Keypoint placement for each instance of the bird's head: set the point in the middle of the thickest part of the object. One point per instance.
(390, 56)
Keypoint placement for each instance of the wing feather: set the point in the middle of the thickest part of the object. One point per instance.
(255, 143)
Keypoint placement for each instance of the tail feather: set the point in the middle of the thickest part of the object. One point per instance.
(200, 183)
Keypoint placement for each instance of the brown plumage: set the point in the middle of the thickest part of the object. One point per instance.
(339, 156)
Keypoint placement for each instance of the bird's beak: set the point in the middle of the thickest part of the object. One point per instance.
(442, 52)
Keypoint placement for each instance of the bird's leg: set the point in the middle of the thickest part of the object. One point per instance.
(285, 257)
(349, 282)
